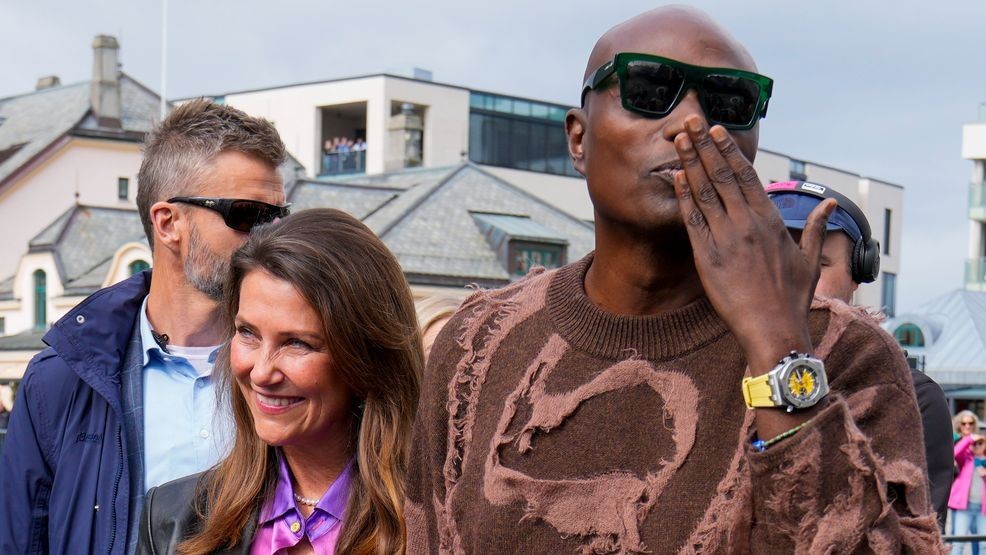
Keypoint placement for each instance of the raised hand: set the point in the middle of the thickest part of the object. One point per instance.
(759, 281)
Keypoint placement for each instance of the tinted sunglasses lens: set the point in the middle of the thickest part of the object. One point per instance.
(245, 215)
(730, 100)
(652, 87)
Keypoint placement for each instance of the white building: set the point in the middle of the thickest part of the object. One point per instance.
(974, 149)
(62, 145)
(411, 122)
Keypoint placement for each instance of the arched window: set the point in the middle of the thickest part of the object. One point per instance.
(138, 266)
(909, 335)
(40, 300)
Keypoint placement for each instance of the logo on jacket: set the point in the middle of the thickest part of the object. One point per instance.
(88, 438)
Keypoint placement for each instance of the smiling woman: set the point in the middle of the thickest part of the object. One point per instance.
(321, 372)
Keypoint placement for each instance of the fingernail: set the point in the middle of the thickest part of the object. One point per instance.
(680, 181)
(718, 133)
(683, 142)
(693, 124)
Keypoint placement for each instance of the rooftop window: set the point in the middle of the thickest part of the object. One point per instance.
(909, 335)
(518, 133)
(521, 243)
(517, 106)
(797, 170)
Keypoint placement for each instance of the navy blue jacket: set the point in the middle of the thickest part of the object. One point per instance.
(64, 478)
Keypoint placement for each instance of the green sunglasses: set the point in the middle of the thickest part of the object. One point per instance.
(652, 86)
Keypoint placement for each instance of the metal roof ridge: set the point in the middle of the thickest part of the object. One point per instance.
(530, 196)
(419, 201)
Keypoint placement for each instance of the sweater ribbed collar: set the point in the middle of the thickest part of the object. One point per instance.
(613, 336)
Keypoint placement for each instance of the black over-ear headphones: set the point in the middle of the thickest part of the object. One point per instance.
(865, 260)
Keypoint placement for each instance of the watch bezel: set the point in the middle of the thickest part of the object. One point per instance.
(783, 375)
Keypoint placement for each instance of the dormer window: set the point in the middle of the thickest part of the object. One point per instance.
(521, 243)
(909, 335)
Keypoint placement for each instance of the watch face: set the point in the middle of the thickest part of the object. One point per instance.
(804, 383)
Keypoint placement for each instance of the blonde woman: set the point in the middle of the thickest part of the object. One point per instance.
(322, 372)
(964, 423)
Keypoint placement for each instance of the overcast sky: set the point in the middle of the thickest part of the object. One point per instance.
(879, 88)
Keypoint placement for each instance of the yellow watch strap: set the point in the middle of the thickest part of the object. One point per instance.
(757, 392)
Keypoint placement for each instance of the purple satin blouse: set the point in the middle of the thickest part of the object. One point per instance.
(282, 526)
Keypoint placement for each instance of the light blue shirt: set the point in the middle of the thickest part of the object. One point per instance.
(180, 434)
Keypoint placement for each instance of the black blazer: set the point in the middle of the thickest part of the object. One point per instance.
(169, 517)
(938, 443)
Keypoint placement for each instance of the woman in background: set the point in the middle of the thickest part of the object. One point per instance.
(963, 424)
(321, 372)
(966, 499)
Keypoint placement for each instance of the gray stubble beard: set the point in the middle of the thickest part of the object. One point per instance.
(204, 269)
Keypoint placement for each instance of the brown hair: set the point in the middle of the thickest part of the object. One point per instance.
(347, 274)
(180, 149)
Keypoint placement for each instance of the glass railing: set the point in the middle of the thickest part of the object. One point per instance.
(975, 272)
(335, 163)
(977, 201)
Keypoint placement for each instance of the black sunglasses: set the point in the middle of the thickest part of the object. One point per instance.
(239, 214)
(652, 86)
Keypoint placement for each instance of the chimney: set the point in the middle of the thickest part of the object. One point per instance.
(104, 97)
(47, 82)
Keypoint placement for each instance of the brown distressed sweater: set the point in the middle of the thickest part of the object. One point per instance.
(547, 425)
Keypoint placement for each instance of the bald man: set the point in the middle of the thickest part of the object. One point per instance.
(671, 391)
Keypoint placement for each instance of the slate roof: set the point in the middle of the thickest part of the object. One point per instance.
(31, 122)
(954, 328)
(29, 340)
(425, 216)
(84, 240)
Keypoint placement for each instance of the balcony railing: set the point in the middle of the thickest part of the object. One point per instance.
(977, 201)
(335, 163)
(975, 274)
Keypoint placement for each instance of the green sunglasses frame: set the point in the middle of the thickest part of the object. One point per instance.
(693, 80)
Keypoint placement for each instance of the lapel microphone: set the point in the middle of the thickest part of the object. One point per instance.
(161, 339)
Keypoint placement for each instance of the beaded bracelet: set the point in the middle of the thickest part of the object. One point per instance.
(761, 445)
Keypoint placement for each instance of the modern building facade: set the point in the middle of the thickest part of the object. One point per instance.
(974, 150)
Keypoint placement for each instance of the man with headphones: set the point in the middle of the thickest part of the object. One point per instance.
(851, 256)
(848, 258)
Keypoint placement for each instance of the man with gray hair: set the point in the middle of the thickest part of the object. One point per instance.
(122, 398)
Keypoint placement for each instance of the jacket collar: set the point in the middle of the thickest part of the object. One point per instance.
(92, 338)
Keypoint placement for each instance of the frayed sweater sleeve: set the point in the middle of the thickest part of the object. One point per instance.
(853, 479)
(426, 481)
